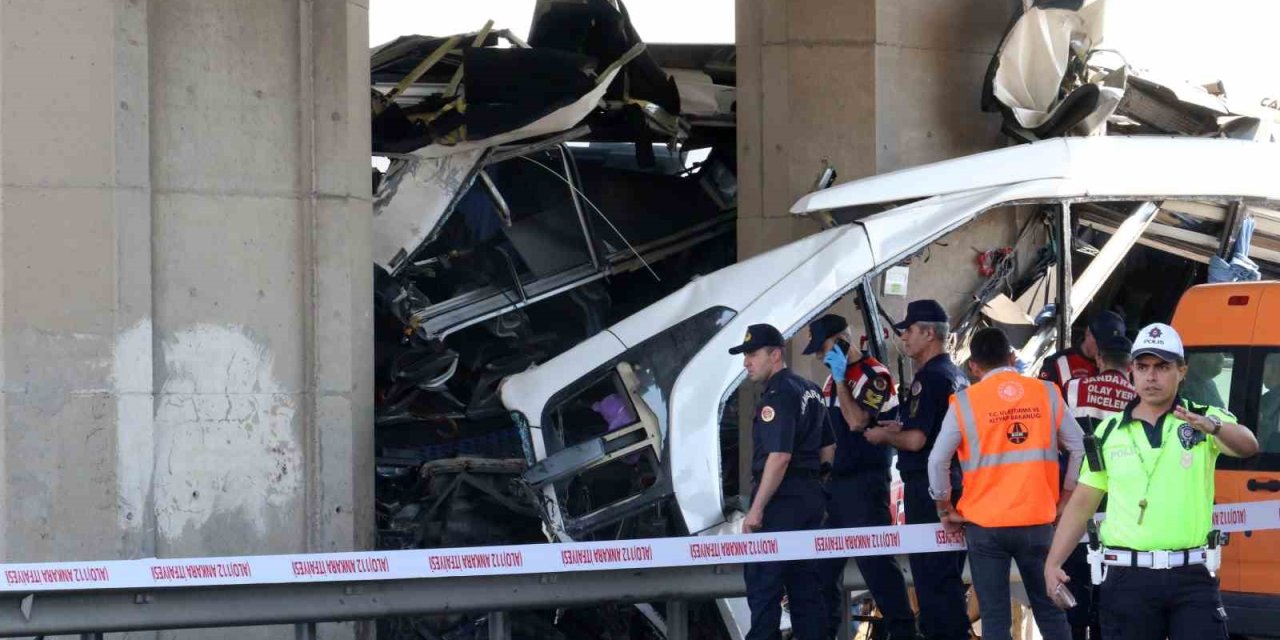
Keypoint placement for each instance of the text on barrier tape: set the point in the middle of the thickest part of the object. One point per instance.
(152, 573)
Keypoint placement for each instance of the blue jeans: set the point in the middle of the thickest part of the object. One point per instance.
(990, 551)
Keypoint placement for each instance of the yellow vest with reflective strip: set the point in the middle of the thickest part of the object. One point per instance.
(1179, 512)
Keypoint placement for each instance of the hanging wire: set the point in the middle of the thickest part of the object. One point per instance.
(599, 213)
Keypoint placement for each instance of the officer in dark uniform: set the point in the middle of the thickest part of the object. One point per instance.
(860, 388)
(786, 495)
(938, 583)
(1078, 362)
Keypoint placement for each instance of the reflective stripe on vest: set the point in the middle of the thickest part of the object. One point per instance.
(969, 425)
(1011, 479)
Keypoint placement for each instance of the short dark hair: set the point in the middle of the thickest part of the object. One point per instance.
(1115, 359)
(990, 348)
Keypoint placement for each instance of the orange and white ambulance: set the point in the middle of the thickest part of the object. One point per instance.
(1231, 333)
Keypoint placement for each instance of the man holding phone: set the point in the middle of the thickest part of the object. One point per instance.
(858, 392)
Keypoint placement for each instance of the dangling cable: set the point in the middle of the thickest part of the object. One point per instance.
(599, 213)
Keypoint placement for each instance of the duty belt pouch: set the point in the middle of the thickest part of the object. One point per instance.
(1097, 571)
(1213, 553)
(1093, 453)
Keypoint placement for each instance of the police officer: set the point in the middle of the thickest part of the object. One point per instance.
(858, 392)
(1092, 400)
(939, 587)
(1156, 465)
(1078, 362)
(786, 494)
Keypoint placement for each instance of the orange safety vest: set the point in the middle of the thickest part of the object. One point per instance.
(1009, 450)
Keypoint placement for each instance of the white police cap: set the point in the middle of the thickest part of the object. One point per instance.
(1160, 340)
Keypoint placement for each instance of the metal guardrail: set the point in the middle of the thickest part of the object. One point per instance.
(93, 613)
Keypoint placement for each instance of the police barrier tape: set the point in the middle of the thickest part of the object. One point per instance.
(155, 573)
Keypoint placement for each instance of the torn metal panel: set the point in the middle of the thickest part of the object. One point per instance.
(560, 119)
(1087, 167)
(1089, 282)
(702, 100)
(511, 94)
(413, 201)
(1051, 76)
(1163, 110)
(1083, 289)
(572, 218)
(1034, 62)
(602, 29)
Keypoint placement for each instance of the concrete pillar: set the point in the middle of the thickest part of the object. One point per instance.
(185, 279)
(870, 86)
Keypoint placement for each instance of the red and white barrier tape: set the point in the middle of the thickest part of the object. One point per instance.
(524, 559)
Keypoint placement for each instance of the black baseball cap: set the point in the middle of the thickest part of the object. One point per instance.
(922, 311)
(1114, 344)
(1106, 324)
(758, 336)
(823, 328)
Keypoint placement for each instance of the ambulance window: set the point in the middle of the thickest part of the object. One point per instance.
(1209, 377)
(1269, 405)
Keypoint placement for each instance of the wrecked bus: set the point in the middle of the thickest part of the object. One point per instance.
(646, 398)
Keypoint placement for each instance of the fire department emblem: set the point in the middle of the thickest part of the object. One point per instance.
(767, 414)
(1010, 392)
(1016, 433)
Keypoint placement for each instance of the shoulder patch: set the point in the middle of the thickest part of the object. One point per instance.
(767, 414)
(916, 387)
(873, 400)
(1189, 436)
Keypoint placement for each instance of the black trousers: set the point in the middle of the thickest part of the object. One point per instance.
(797, 506)
(938, 577)
(1083, 617)
(862, 500)
(1154, 604)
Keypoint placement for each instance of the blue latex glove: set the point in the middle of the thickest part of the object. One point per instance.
(836, 362)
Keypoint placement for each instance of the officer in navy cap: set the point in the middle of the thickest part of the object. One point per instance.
(938, 583)
(858, 393)
(1081, 361)
(787, 434)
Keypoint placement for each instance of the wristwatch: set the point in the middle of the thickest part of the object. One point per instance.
(1217, 425)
